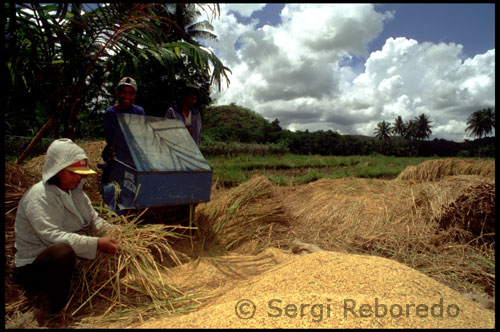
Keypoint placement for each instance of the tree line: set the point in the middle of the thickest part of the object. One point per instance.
(233, 123)
(479, 124)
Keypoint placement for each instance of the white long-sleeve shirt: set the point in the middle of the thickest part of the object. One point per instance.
(47, 215)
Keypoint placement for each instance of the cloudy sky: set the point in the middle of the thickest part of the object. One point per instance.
(346, 67)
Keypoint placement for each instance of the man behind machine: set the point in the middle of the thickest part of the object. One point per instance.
(186, 112)
(126, 92)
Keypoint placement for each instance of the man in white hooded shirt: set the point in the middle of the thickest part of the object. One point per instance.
(55, 222)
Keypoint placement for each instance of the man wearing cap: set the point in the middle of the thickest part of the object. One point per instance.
(187, 113)
(126, 92)
(56, 223)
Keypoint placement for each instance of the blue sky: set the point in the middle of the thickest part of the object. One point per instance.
(346, 67)
(472, 25)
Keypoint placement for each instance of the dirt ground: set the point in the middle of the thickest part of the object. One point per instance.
(302, 249)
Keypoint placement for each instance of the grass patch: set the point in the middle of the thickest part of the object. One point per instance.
(295, 169)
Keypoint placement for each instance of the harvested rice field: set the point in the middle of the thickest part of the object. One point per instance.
(413, 252)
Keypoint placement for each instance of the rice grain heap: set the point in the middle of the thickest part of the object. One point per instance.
(336, 290)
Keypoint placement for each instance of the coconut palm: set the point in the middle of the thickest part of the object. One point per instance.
(398, 127)
(383, 131)
(481, 123)
(186, 26)
(423, 127)
(410, 129)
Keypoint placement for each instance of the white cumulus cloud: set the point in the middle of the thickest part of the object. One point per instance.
(301, 72)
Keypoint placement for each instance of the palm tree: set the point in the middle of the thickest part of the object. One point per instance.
(383, 131)
(410, 129)
(59, 59)
(423, 127)
(185, 29)
(481, 122)
(186, 26)
(398, 127)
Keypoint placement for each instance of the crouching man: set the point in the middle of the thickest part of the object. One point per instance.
(54, 225)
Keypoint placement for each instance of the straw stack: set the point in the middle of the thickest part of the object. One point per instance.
(465, 202)
(393, 219)
(347, 214)
(16, 184)
(336, 290)
(247, 218)
(433, 170)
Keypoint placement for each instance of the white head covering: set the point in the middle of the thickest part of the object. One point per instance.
(61, 153)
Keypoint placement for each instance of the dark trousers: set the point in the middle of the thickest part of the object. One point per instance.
(51, 272)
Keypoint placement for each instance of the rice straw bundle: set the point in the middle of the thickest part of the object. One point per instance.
(433, 170)
(247, 214)
(465, 202)
(390, 219)
(130, 285)
(16, 184)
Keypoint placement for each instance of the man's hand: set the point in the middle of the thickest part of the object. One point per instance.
(108, 244)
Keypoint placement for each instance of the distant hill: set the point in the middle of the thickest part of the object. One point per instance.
(235, 123)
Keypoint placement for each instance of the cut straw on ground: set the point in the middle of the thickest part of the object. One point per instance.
(133, 280)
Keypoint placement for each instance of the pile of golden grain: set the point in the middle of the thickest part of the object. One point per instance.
(335, 290)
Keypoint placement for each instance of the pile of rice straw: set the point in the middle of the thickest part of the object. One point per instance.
(466, 203)
(16, 184)
(130, 286)
(386, 218)
(433, 170)
(247, 218)
(349, 214)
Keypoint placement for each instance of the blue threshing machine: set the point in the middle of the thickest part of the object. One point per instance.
(158, 164)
